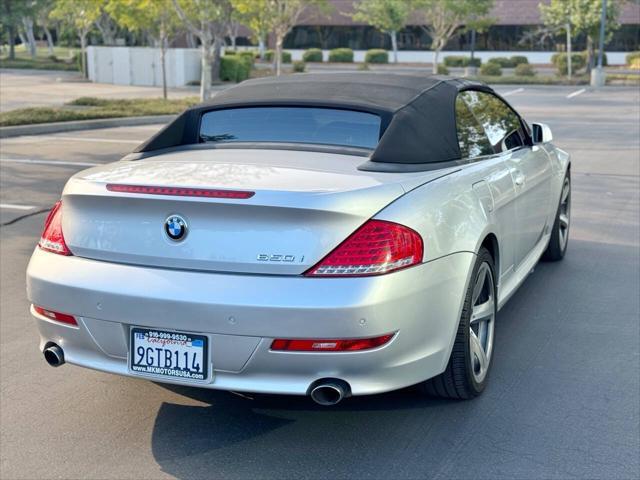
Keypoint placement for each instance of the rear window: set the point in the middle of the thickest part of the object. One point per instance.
(324, 126)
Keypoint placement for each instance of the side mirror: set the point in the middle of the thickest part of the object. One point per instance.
(541, 133)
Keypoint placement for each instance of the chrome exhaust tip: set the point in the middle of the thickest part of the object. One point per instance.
(329, 392)
(54, 355)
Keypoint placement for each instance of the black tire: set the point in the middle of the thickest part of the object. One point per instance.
(559, 240)
(458, 381)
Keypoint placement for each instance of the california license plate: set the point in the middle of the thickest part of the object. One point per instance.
(176, 355)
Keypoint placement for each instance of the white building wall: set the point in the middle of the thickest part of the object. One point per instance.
(141, 65)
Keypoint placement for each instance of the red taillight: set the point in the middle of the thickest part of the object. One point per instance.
(334, 345)
(57, 316)
(52, 239)
(180, 192)
(377, 247)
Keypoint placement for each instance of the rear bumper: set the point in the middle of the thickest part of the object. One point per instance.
(242, 314)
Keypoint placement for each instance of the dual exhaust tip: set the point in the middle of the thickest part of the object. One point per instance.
(330, 391)
(325, 392)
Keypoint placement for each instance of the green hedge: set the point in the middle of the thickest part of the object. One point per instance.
(299, 66)
(461, 61)
(491, 69)
(341, 55)
(235, 68)
(503, 62)
(376, 55)
(312, 55)
(519, 60)
(524, 70)
(633, 59)
(559, 60)
(269, 55)
(443, 70)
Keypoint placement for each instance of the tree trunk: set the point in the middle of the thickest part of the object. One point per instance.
(590, 53)
(436, 54)
(28, 28)
(163, 63)
(278, 53)
(394, 45)
(216, 56)
(261, 46)
(191, 40)
(83, 52)
(569, 65)
(205, 77)
(23, 39)
(12, 42)
(50, 43)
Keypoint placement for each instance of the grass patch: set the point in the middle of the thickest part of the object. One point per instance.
(632, 80)
(63, 59)
(91, 108)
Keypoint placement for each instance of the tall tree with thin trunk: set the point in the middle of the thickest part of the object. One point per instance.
(107, 27)
(43, 20)
(443, 18)
(156, 18)
(256, 15)
(80, 15)
(388, 16)
(207, 20)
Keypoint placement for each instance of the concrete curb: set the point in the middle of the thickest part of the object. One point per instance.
(56, 127)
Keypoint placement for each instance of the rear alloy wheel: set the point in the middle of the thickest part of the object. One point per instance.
(466, 374)
(560, 232)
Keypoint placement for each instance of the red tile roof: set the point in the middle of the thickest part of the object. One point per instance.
(506, 12)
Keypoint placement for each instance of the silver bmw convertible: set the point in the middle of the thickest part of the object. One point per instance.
(326, 235)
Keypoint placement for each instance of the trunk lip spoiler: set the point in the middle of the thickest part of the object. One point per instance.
(180, 191)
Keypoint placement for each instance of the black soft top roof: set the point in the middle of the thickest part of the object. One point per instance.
(417, 111)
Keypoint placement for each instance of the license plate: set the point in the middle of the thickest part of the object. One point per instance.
(176, 355)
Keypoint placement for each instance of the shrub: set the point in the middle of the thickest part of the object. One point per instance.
(228, 51)
(363, 67)
(460, 61)
(559, 60)
(299, 66)
(341, 55)
(443, 70)
(235, 68)
(269, 55)
(519, 60)
(491, 69)
(595, 58)
(454, 61)
(503, 62)
(633, 59)
(376, 55)
(525, 70)
(312, 55)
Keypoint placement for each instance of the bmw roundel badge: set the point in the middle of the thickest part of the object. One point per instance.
(175, 227)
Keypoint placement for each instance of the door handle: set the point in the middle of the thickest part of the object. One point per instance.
(518, 178)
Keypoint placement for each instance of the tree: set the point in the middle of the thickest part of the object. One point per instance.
(106, 26)
(388, 16)
(81, 15)
(207, 20)
(444, 17)
(576, 17)
(255, 14)
(43, 20)
(153, 17)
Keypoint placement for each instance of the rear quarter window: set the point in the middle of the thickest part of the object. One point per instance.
(323, 126)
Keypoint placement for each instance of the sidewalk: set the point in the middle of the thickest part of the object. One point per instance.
(42, 88)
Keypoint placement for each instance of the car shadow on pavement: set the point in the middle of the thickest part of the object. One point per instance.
(188, 441)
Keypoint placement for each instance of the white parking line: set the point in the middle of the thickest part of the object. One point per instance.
(11, 206)
(513, 92)
(47, 162)
(576, 93)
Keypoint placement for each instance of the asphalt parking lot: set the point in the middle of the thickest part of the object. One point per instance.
(563, 401)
